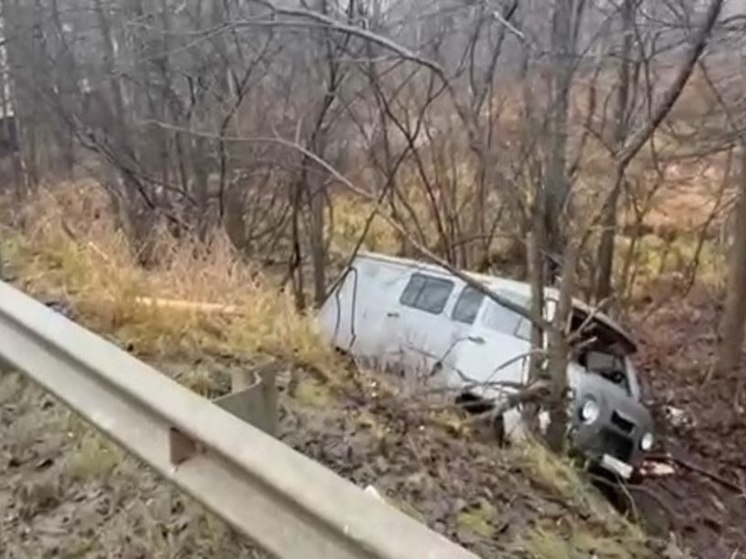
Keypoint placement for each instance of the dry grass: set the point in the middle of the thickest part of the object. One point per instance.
(349, 223)
(558, 475)
(655, 259)
(85, 497)
(69, 248)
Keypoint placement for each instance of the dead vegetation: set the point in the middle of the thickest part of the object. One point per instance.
(69, 250)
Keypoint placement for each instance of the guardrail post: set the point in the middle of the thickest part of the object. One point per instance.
(253, 397)
(268, 378)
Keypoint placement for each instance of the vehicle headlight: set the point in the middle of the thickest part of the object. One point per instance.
(589, 411)
(646, 441)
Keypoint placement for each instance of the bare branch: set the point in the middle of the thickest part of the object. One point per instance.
(635, 143)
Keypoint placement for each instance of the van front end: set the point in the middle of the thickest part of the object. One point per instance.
(610, 428)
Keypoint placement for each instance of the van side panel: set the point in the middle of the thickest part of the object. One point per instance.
(354, 316)
(335, 317)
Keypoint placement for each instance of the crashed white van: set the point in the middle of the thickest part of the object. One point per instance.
(419, 318)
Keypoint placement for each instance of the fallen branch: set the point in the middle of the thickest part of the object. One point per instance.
(534, 392)
(180, 304)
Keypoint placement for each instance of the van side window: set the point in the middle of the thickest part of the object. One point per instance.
(426, 293)
(502, 319)
(468, 305)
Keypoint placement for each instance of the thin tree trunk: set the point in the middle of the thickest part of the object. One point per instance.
(609, 216)
(316, 244)
(734, 314)
(559, 353)
(295, 265)
(119, 131)
(557, 187)
(536, 277)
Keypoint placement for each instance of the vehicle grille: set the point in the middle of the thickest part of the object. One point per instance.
(617, 445)
(624, 424)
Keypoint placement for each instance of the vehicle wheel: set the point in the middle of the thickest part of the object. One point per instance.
(498, 429)
(473, 404)
(476, 406)
(342, 352)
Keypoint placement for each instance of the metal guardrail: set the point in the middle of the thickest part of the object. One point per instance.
(288, 504)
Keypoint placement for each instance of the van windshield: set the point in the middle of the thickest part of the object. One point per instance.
(602, 349)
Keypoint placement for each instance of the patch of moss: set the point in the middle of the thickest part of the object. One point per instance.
(76, 547)
(93, 457)
(477, 519)
(311, 392)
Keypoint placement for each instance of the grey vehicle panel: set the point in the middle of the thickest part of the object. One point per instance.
(621, 424)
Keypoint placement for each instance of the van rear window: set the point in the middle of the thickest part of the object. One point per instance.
(426, 293)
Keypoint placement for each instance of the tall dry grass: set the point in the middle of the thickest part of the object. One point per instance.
(68, 247)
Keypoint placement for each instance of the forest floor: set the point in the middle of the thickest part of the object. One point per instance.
(706, 430)
(66, 491)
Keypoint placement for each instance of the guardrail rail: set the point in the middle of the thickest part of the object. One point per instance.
(288, 504)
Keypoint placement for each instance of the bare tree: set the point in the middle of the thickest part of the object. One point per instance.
(628, 147)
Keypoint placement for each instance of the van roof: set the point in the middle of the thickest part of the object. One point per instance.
(503, 284)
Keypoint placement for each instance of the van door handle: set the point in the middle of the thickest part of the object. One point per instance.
(393, 314)
(476, 339)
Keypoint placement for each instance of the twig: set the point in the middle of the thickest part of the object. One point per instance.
(574, 336)
(532, 393)
(342, 27)
(672, 94)
(512, 28)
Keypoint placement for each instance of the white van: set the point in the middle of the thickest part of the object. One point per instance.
(420, 318)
